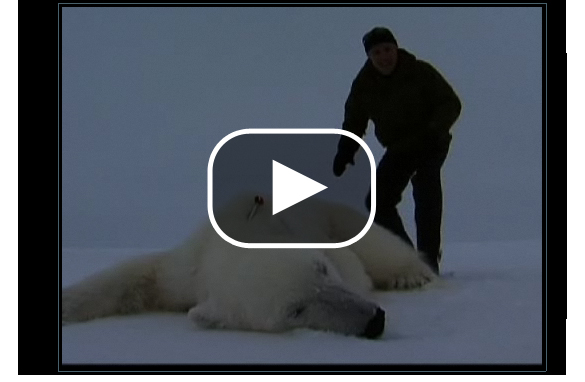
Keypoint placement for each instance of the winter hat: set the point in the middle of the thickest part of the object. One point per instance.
(377, 36)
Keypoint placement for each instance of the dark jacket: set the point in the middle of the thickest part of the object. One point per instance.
(411, 105)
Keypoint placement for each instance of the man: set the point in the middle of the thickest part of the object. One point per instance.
(413, 109)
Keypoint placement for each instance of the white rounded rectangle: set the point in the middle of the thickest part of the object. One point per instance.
(290, 245)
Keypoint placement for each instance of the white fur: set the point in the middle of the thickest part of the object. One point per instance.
(223, 286)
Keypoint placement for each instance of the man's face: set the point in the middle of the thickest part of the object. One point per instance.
(384, 57)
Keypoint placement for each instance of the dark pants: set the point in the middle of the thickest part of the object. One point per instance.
(423, 169)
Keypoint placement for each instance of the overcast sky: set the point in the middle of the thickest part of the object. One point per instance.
(148, 92)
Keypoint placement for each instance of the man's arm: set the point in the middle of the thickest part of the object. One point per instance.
(355, 121)
(446, 106)
(445, 109)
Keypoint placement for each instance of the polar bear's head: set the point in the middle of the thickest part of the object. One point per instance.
(329, 305)
(281, 289)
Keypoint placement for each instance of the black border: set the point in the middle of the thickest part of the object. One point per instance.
(37, 342)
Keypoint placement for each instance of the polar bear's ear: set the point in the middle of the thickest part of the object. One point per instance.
(321, 268)
(325, 269)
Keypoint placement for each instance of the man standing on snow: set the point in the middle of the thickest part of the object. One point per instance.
(413, 109)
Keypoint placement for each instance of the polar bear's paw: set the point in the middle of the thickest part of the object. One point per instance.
(67, 312)
(204, 317)
(405, 281)
(73, 308)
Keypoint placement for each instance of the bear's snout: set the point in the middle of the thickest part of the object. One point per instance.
(375, 326)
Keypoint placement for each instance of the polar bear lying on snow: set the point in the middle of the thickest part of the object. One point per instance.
(224, 286)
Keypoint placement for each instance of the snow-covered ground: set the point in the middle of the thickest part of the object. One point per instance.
(487, 309)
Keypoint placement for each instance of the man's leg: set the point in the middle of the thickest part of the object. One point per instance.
(428, 198)
(392, 177)
(428, 211)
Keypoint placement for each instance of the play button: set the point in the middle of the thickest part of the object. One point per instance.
(282, 180)
(290, 187)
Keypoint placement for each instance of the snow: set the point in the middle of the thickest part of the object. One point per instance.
(486, 309)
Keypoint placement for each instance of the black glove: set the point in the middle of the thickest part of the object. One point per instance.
(341, 161)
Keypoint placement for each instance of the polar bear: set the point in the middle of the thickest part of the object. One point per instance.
(220, 285)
